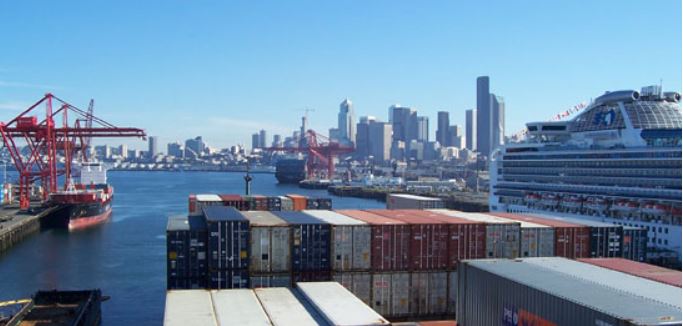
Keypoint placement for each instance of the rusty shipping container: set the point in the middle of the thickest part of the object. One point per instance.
(466, 239)
(270, 243)
(428, 294)
(228, 238)
(389, 241)
(571, 240)
(648, 271)
(350, 247)
(310, 242)
(359, 283)
(502, 236)
(391, 294)
(429, 239)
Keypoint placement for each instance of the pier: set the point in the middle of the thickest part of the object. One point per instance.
(16, 225)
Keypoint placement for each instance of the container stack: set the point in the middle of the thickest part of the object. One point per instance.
(187, 252)
(651, 272)
(228, 247)
(256, 202)
(270, 243)
(405, 201)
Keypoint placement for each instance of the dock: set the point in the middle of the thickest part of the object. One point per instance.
(16, 225)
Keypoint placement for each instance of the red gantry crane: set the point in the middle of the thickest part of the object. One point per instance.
(53, 135)
(320, 152)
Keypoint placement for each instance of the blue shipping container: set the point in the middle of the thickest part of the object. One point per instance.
(310, 241)
(228, 238)
(229, 279)
(198, 260)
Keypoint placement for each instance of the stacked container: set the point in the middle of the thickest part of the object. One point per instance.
(197, 202)
(299, 203)
(405, 201)
(634, 244)
(310, 250)
(228, 247)
(286, 203)
(186, 253)
(234, 201)
(350, 251)
(605, 238)
(571, 240)
(270, 242)
(651, 272)
(274, 203)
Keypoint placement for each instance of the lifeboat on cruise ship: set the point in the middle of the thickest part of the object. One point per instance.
(533, 198)
(550, 199)
(596, 203)
(676, 211)
(571, 201)
(655, 209)
(625, 205)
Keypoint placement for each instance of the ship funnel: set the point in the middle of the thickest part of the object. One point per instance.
(672, 97)
(618, 96)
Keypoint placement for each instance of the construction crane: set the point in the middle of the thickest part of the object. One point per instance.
(45, 139)
(320, 152)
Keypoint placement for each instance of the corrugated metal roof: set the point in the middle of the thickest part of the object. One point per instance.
(620, 304)
(177, 223)
(339, 306)
(263, 218)
(475, 217)
(368, 217)
(297, 218)
(208, 197)
(222, 213)
(621, 281)
(537, 220)
(284, 309)
(652, 272)
(189, 307)
(333, 217)
(406, 216)
(238, 307)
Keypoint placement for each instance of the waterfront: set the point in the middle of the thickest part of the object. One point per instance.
(126, 258)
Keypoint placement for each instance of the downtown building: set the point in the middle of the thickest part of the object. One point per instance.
(490, 118)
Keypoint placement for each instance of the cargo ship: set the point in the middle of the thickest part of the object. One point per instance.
(618, 161)
(84, 204)
(290, 170)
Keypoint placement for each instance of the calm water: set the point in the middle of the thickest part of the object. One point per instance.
(126, 257)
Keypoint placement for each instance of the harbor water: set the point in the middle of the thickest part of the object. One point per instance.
(126, 257)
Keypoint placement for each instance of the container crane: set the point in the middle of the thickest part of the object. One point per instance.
(53, 135)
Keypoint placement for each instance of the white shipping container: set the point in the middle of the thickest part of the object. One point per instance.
(502, 236)
(405, 201)
(278, 280)
(205, 200)
(284, 309)
(350, 240)
(339, 306)
(270, 239)
(359, 283)
(189, 307)
(238, 307)
(286, 203)
(428, 293)
(391, 294)
(536, 240)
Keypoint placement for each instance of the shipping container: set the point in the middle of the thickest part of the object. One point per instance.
(324, 203)
(201, 201)
(186, 246)
(310, 250)
(405, 201)
(192, 204)
(189, 307)
(228, 279)
(634, 246)
(237, 307)
(183, 283)
(274, 203)
(429, 238)
(233, 200)
(311, 276)
(286, 203)
(350, 247)
(359, 283)
(509, 292)
(284, 308)
(428, 293)
(299, 203)
(452, 292)
(605, 239)
(502, 236)
(637, 286)
(339, 306)
(228, 238)
(571, 240)
(311, 203)
(389, 241)
(651, 272)
(391, 294)
(270, 243)
(269, 280)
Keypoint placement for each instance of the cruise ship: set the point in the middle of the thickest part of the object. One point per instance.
(618, 161)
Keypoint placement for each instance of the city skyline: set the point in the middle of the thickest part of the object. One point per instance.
(247, 74)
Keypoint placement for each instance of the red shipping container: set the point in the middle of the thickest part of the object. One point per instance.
(651, 272)
(233, 201)
(389, 241)
(298, 201)
(571, 240)
(428, 239)
(192, 203)
(466, 238)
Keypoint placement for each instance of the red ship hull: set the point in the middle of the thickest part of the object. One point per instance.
(86, 222)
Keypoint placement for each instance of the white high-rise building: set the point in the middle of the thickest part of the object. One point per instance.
(346, 121)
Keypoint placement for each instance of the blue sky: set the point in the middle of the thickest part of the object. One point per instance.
(225, 69)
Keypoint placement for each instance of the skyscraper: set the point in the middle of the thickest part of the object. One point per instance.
(263, 138)
(195, 147)
(255, 141)
(346, 121)
(422, 129)
(403, 123)
(456, 137)
(471, 129)
(152, 144)
(277, 141)
(483, 116)
(380, 140)
(175, 149)
(442, 128)
(363, 137)
(497, 121)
